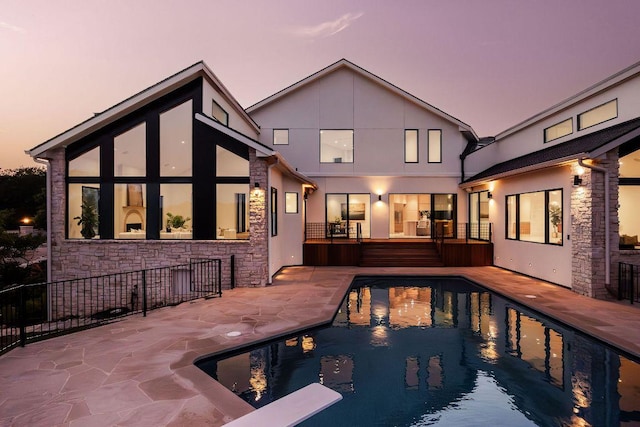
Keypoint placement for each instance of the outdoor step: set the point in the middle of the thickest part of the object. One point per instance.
(400, 254)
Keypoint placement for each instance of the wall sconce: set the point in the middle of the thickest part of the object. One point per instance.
(257, 185)
(577, 180)
(489, 195)
(379, 197)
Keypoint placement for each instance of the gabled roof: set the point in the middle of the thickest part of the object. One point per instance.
(587, 146)
(138, 100)
(343, 63)
(261, 149)
(601, 86)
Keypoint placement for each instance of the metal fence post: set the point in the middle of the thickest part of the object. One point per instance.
(220, 274)
(631, 284)
(144, 293)
(22, 315)
(233, 274)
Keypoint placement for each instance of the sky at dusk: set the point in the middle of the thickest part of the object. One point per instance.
(490, 63)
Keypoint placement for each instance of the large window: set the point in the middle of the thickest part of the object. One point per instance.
(232, 209)
(535, 217)
(129, 152)
(559, 130)
(598, 115)
(435, 146)
(175, 141)
(346, 213)
(336, 146)
(411, 146)
(150, 176)
(629, 200)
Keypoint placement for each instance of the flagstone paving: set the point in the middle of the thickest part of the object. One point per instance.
(140, 371)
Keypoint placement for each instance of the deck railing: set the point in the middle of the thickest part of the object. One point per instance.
(39, 311)
(629, 282)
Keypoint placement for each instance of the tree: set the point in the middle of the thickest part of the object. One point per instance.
(22, 191)
(16, 256)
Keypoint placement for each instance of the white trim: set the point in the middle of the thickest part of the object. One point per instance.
(599, 87)
(379, 174)
(362, 72)
(261, 150)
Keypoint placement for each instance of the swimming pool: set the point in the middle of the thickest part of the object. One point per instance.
(441, 351)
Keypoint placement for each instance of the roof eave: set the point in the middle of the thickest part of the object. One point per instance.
(519, 171)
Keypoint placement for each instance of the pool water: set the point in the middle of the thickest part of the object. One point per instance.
(441, 351)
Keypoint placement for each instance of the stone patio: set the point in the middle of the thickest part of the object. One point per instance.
(140, 371)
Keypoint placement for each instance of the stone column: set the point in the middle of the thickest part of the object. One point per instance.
(258, 257)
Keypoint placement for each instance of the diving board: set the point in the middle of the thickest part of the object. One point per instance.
(290, 409)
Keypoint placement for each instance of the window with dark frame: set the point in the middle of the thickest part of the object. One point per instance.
(274, 211)
(411, 149)
(434, 150)
(336, 146)
(535, 217)
(559, 130)
(600, 114)
(281, 137)
(290, 203)
(219, 113)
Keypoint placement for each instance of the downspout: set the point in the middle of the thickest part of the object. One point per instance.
(48, 198)
(607, 219)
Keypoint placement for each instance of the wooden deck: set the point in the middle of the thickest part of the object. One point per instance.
(397, 253)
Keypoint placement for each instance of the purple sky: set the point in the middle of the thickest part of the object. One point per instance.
(490, 63)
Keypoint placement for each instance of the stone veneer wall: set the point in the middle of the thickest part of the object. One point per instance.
(588, 229)
(85, 258)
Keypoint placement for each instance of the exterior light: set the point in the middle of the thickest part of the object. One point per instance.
(489, 195)
(257, 185)
(379, 197)
(577, 181)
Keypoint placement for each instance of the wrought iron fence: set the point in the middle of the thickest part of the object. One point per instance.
(628, 282)
(39, 311)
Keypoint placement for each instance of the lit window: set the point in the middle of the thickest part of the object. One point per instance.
(291, 203)
(129, 215)
(535, 217)
(232, 208)
(175, 141)
(435, 146)
(129, 152)
(336, 146)
(598, 115)
(274, 211)
(411, 146)
(218, 113)
(175, 211)
(87, 164)
(558, 130)
(281, 137)
(82, 208)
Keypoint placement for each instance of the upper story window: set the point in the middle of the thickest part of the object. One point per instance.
(598, 115)
(175, 141)
(281, 137)
(86, 164)
(218, 113)
(129, 152)
(336, 146)
(434, 154)
(411, 146)
(558, 130)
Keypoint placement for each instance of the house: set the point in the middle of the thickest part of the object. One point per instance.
(173, 173)
(343, 153)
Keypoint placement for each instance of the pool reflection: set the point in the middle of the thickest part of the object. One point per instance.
(432, 346)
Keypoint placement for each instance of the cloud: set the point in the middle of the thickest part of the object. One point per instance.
(15, 28)
(328, 28)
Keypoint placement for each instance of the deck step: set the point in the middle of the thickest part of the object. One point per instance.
(399, 254)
